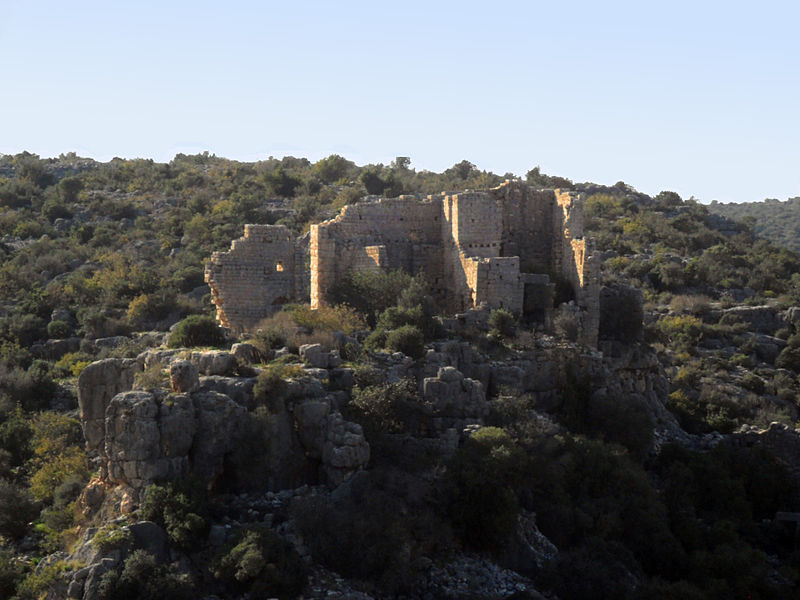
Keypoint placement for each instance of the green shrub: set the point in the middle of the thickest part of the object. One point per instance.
(110, 537)
(17, 509)
(196, 330)
(58, 329)
(503, 323)
(147, 309)
(142, 578)
(389, 408)
(270, 388)
(74, 362)
(11, 573)
(262, 564)
(408, 340)
(33, 389)
(37, 582)
(370, 292)
(181, 512)
(480, 488)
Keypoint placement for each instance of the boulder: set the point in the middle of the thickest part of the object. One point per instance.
(215, 362)
(153, 539)
(98, 383)
(246, 353)
(162, 358)
(317, 357)
(183, 378)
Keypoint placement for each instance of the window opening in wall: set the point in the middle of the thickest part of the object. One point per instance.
(279, 266)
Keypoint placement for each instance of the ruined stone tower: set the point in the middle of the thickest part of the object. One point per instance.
(505, 247)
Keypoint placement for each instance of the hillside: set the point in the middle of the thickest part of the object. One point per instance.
(381, 447)
(774, 220)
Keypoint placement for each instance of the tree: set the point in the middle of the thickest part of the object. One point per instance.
(70, 187)
(332, 168)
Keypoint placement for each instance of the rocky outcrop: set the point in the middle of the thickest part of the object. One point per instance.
(98, 383)
(456, 401)
(762, 319)
(339, 445)
(151, 437)
(214, 362)
(183, 377)
(318, 358)
(246, 353)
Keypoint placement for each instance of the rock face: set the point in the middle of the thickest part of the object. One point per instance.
(150, 437)
(98, 383)
(457, 401)
(339, 445)
(761, 319)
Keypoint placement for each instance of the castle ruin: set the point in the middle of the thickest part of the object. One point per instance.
(512, 247)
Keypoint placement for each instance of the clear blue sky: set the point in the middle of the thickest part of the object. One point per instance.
(702, 98)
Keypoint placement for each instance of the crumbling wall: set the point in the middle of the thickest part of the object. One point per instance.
(396, 233)
(498, 247)
(256, 276)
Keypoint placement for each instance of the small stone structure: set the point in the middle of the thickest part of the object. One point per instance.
(506, 247)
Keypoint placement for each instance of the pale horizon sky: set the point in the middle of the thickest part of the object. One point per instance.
(696, 97)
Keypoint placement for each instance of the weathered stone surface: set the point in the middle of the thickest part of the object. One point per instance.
(345, 449)
(159, 357)
(456, 401)
(151, 538)
(218, 419)
(151, 437)
(98, 383)
(246, 353)
(339, 445)
(319, 358)
(215, 362)
(183, 377)
(238, 389)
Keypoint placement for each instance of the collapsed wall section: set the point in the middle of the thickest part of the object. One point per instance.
(262, 271)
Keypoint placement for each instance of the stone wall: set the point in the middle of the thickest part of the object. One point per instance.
(497, 247)
(256, 276)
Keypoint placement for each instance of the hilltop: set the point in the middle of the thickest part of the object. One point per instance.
(381, 446)
(771, 219)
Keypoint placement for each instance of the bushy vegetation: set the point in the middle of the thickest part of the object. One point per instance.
(196, 330)
(117, 248)
(261, 563)
(180, 509)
